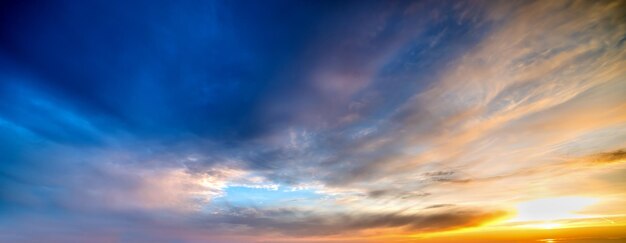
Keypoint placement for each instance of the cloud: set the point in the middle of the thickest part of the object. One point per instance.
(492, 95)
(617, 156)
(303, 223)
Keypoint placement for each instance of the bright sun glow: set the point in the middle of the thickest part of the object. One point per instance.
(550, 209)
(545, 225)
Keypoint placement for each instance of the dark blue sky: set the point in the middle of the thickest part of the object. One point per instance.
(156, 68)
(205, 68)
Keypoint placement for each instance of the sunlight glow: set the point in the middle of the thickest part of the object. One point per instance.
(545, 225)
(550, 209)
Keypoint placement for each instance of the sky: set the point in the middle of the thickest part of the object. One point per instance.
(312, 121)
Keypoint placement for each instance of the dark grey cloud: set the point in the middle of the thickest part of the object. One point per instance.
(617, 156)
(306, 223)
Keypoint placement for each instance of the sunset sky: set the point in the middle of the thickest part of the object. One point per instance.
(312, 121)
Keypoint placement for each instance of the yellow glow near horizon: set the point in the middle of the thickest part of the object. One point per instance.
(545, 225)
(547, 210)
